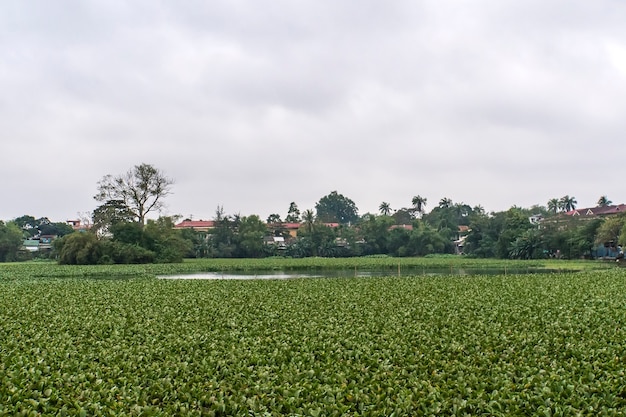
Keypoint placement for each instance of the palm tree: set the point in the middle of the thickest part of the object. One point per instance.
(554, 205)
(568, 203)
(604, 201)
(384, 208)
(308, 217)
(445, 203)
(478, 210)
(419, 204)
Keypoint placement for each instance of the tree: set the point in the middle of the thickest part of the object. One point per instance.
(374, 232)
(604, 201)
(483, 235)
(527, 246)
(32, 227)
(426, 240)
(315, 238)
(403, 216)
(141, 189)
(515, 224)
(273, 218)
(567, 203)
(293, 215)
(478, 210)
(308, 217)
(384, 208)
(610, 229)
(128, 232)
(222, 239)
(58, 229)
(446, 217)
(28, 224)
(251, 232)
(419, 205)
(110, 214)
(445, 203)
(79, 249)
(554, 205)
(579, 238)
(335, 207)
(167, 243)
(11, 239)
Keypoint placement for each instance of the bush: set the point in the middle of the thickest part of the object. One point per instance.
(79, 249)
(126, 253)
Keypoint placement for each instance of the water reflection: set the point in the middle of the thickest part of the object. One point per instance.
(247, 275)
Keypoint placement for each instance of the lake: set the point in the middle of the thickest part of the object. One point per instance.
(343, 273)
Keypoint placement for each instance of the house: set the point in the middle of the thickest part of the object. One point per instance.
(459, 242)
(45, 242)
(277, 241)
(77, 225)
(31, 245)
(606, 250)
(595, 212)
(584, 214)
(197, 225)
(289, 228)
(42, 243)
(292, 228)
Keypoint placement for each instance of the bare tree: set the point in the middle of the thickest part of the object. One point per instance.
(141, 189)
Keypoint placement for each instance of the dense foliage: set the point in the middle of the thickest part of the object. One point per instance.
(546, 344)
(336, 207)
(33, 227)
(447, 229)
(10, 241)
(333, 230)
(129, 243)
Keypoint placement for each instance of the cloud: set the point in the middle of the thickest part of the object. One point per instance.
(255, 105)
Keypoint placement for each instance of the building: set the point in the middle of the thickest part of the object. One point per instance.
(595, 212)
(77, 225)
(197, 225)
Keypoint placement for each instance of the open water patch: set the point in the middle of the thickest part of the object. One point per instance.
(347, 273)
(236, 276)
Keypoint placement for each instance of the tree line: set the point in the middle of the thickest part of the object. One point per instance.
(121, 233)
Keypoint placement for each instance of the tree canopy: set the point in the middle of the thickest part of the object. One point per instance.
(10, 241)
(142, 189)
(335, 207)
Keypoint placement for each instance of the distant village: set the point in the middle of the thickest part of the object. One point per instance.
(333, 229)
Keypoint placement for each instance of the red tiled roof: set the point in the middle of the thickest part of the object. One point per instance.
(299, 225)
(189, 224)
(598, 211)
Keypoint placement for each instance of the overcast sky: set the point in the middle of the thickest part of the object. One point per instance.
(254, 104)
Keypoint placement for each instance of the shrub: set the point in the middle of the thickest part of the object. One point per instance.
(79, 249)
(126, 253)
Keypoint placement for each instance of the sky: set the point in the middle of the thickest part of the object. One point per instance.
(251, 105)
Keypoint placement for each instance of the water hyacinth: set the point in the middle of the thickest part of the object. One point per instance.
(413, 345)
